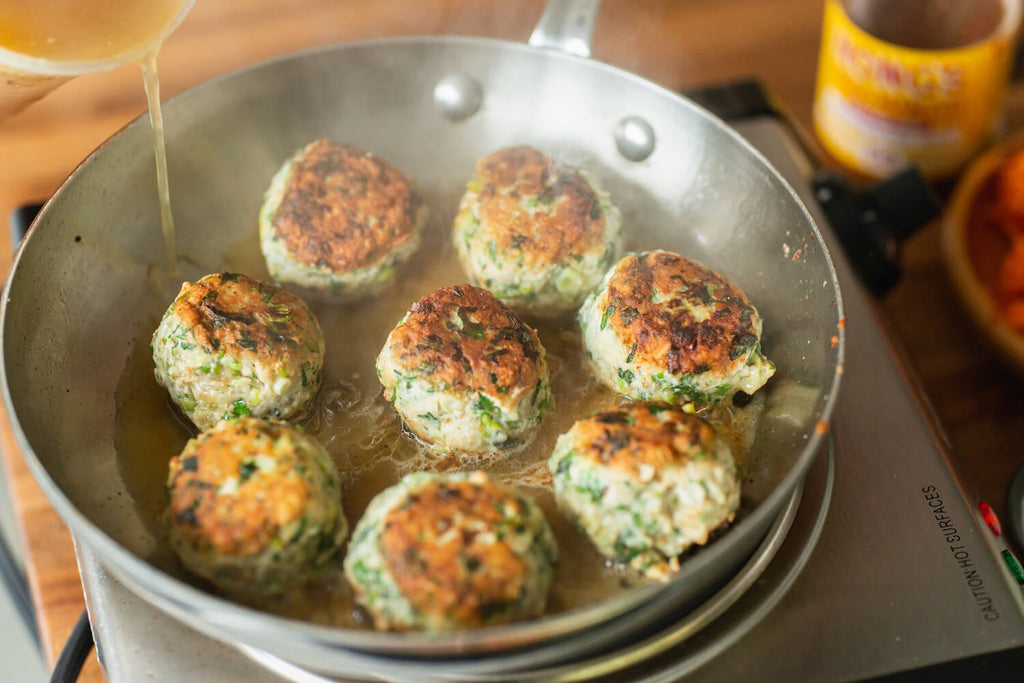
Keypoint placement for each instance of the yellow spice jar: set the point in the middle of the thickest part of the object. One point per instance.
(912, 81)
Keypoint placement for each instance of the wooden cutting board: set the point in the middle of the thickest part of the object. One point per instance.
(680, 44)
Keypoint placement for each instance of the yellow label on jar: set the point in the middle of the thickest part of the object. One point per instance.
(879, 106)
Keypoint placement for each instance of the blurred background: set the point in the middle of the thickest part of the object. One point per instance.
(681, 44)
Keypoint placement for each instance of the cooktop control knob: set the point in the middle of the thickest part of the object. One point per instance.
(872, 222)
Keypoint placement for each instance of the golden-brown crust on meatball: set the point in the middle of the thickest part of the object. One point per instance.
(343, 208)
(463, 337)
(635, 434)
(234, 314)
(444, 568)
(246, 522)
(698, 322)
(575, 225)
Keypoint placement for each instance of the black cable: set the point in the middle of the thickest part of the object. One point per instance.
(17, 587)
(72, 657)
(21, 220)
(11, 575)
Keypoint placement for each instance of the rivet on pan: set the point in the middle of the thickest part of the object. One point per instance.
(458, 96)
(635, 138)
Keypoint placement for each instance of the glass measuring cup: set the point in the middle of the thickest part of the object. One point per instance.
(44, 43)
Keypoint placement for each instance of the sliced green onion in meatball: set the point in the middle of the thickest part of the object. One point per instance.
(339, 220)
(537, 234)
(664, 328)
(230, 346)
(255, 506)
(442, 553)
(645, 481)
(465, 373)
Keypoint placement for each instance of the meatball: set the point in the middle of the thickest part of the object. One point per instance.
(231, 346)
(464, 372)
(339, 220)
(255, 506)
(446, 552)
(665, 328)
(645, 481)
(539, 235)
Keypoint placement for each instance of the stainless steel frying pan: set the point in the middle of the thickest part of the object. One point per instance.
(80, 293)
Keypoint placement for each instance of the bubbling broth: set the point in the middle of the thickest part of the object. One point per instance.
(364, 436)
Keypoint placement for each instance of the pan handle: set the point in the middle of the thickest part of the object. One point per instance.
(566, 25)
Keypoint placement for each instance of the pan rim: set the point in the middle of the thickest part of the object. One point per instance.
(216, 610)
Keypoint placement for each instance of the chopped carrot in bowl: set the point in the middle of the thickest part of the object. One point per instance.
(983, 246)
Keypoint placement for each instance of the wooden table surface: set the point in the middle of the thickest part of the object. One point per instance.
(678, 43)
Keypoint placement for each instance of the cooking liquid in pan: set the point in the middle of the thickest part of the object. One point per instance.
(364, 434)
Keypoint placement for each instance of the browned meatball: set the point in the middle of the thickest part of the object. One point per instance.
(538, 234)
(230, 346)
(255, 506)
(646, 481)
(446, 552)
(338, 219)
(464, 372)
(662, 327)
